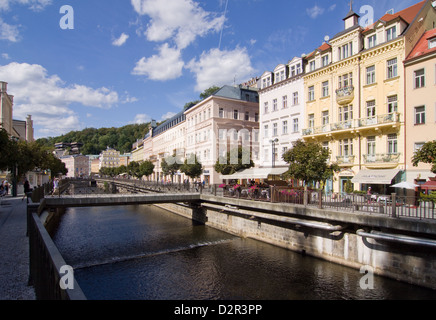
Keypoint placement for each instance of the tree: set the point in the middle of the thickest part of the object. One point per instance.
(208, 92)
(147, 168)
(191, 167)
(235, 160)
(308, 162)
(171, 165)
(426, 154)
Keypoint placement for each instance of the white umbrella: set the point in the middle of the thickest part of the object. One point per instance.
(405, 185)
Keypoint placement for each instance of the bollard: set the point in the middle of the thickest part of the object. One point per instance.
(394, 205)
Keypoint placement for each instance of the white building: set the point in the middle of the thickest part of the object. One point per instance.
(281, 102)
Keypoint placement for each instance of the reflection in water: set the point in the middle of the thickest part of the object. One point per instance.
(143, 252)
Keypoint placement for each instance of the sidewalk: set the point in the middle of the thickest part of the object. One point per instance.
(14, 250)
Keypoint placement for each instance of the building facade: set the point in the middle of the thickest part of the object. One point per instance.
(281, 103)
(355, 98)
(110, 158)
(420, 71)
(77, 166)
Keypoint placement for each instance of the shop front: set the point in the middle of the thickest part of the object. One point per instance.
(379, 180)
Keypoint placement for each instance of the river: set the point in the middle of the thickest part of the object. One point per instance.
(147, 253)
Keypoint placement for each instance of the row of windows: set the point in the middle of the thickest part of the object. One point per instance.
(285, 128)
(392, 71)
(281, 75)
(235, 115)
(345, 113)
(391, 34)
(346, 146)
(284, 103)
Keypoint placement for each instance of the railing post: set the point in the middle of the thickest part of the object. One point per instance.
(394, 205)
(320, 199)
(305, 196)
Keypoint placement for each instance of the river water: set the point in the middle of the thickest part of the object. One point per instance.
(144, 252)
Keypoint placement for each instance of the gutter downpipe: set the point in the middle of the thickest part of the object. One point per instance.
(397, 238)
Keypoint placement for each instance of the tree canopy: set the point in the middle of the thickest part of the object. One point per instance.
(427, 154)
(192, 167)
(235, 160)
(308, 162)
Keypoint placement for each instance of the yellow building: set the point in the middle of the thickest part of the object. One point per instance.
(355, 101)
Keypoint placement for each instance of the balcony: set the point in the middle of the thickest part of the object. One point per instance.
(383, 160)
(391, 119)
(345, 160)
(345, 95)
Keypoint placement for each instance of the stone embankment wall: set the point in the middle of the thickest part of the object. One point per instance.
(349, 239)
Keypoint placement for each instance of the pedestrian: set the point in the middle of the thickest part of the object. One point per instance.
(55, 186)
(369, 194)
(6, 186)
(26, 189)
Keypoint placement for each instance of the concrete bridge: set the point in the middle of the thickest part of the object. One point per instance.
(117, 199)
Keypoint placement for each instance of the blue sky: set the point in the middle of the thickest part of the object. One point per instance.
(130, 61)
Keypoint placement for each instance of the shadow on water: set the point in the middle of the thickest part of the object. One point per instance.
(143, 252)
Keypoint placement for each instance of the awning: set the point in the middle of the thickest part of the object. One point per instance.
(375, 176)
(429, 185)
(255, 173)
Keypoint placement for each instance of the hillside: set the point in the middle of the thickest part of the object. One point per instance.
(96, 140)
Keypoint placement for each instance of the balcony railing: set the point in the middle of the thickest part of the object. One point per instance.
(382, 158)
(345, 160)
(354, 124)
(345, 95)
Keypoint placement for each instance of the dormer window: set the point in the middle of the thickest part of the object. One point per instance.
(372, 41)
(312, 65)
(391, 33)
(432, 43)
(325, 60)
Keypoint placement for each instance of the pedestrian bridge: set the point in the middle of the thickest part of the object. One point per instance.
(118, 199)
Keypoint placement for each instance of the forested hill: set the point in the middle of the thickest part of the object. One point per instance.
(96, 140)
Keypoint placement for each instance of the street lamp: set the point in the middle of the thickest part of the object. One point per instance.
(273, 142)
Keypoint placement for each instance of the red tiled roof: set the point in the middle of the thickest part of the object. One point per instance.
(325, 46)
(407, 15)
(421, 48)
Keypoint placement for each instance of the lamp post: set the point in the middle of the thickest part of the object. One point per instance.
(273, 142)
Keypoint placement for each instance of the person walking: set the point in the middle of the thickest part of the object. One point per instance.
(55, 186)
(26, 188)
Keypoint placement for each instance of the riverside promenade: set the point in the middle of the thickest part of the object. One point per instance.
(14, 250)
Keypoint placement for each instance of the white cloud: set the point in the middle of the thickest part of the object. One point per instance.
(47, 98)
(167, 65)
(6, 56)
(315, 11)
(220, 67)
(179, 20)
(141, 118)
(121, 40)
(8, 32)
(35, 5)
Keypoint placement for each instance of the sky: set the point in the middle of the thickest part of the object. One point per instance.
(76, 64)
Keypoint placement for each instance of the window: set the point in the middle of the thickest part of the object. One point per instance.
(247, 116)
(293, 71)
(325, 118)
(346, 147)
(371, 146)
(392, 144)
(391, 33)
(420, 115)
(370, 109)
(392, 104)
(275, 105)
(236, 115)
(275, 130)
(265, 107)
(256, 117)
(346, 80)
(266, 82)
(285, 102)
(325, 60)
(311, 93)
(311, 121)
(285, 127)
(325, 89)
(345, 113)
(392, 68)
(295, 98)
(299, 68)
(372, 41)
(370, 75)
(419, 78)
(265, 128)
(312, 65)
(296, 125)
(418, 146)
(221, 113)
(432, 43)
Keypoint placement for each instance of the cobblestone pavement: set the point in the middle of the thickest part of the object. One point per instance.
(14, 251)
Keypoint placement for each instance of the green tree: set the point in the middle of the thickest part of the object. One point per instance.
(147, 168)
(192, 167)
(308, 162)
(208, 92)
(426, 154)
(235, 160)
(171, 165)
